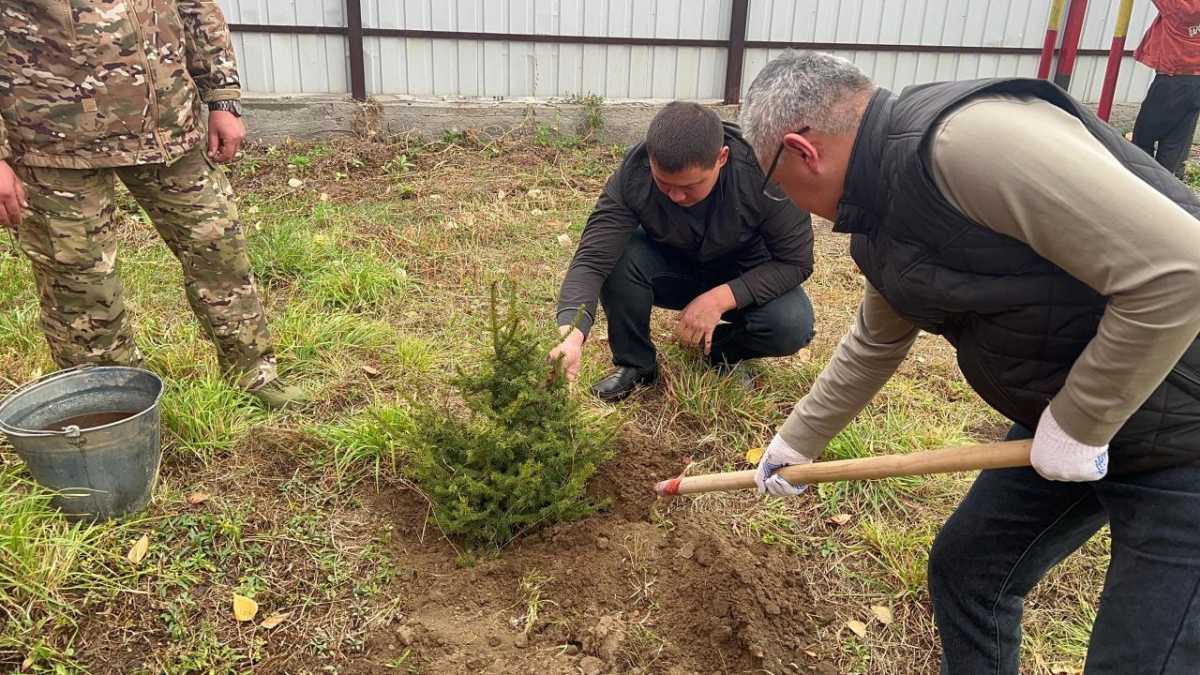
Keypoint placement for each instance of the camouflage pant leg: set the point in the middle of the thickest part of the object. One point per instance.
(68, 237)
(191, 205)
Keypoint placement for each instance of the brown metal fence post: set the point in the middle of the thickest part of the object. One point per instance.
(737, 52)
(354, 37)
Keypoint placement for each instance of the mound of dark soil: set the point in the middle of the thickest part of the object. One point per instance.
(623, 591)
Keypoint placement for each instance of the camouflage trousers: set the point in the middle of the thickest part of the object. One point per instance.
(68, 235)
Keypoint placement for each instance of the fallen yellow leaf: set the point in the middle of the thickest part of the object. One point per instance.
(883, 614)
(753, 455)
(138, 552)
(244, 609)
(274, 620)
(197, 498)
(859, 628)
(839, 519)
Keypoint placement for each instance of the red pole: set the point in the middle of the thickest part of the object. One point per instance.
(1115, 53)
(1070, 44)
(1056, 7)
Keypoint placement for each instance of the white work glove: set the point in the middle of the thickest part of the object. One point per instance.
(1057, 456)
(778, 455)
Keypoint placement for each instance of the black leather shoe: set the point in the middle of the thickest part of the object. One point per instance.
(622, 382)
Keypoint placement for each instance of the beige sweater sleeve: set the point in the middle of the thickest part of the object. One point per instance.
(862, 363)
(1029, 170)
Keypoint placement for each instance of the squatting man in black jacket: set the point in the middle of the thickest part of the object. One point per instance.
(685, 224)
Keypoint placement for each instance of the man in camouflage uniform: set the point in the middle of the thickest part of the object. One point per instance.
(92, 92)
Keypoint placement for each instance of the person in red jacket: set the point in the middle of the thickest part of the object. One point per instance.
(1166, 123)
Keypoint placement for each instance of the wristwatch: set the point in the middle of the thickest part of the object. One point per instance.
(231, 106)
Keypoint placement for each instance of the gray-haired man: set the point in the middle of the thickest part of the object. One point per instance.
(1063, 264)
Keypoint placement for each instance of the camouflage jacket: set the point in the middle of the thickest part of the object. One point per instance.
(100, 83)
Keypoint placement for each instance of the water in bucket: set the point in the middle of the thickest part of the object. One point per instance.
(92, 435)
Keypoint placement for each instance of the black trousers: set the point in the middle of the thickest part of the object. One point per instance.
(646, 276)
(1166, 123)
(1013, 526)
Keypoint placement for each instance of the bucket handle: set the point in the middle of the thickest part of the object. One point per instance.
(48, 377)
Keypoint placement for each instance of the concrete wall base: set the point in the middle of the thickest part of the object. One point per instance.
(310, 117)
(273, 119)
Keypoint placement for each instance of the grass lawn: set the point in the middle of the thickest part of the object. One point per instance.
(375, 272)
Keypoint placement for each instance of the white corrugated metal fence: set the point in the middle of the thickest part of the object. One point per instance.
(491, 69)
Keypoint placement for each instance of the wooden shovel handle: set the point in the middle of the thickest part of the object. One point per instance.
(947, 460)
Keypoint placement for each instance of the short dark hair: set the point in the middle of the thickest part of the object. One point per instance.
(685, 134)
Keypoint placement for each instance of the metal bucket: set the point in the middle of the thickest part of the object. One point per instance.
(92, 435)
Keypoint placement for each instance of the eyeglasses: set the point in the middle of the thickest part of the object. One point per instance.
(775, 165)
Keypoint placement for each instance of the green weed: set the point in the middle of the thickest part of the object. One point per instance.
(901, 554)
(773, 523)
(199, 649)
(173, 346)
(247, 166)
(642, 648)
(401, 662)
(368, 444)
(545, 135)
(291, 249)
(1062, 639)
(44, 561)
(592, 124)
(531, 590)
(311, 341)
(890, 431)
(358, 284)
(151, 271)
(454, 137)
(41, 655)
(304, 160)
(412, 355)
(205, 416)
(858, 653)
(704, 396)
(877, 495)
(20, 333)
(398, 166)
(16, 280)
(550, 136)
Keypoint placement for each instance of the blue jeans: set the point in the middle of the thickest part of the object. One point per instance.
(648, 276)
(1013, 526)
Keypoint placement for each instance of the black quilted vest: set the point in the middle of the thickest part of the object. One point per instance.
(1017, 321)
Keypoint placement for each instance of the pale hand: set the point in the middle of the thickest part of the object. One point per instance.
(1057, 456)
(226, 132)
(699, 319)
(12, 198)
(778, 455)
(569, 353)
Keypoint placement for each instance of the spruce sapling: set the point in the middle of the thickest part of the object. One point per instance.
(521, 455)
